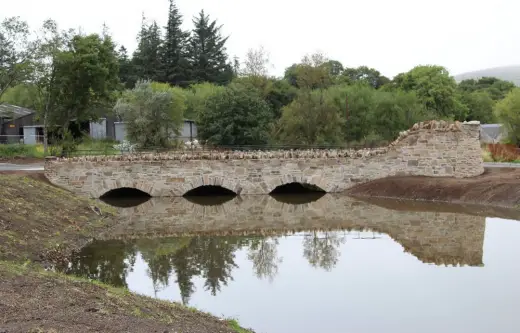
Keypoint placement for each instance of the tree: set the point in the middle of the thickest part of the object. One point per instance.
(86, 77)
(480, 106)
(435, 88)
(147, 57)
(322, 251)
(263, 253)
(507, 112)
(197, 96)
(24, 95)
(236, 115)
(46, 80)
(256, 63)
(310, 120)
(496, 88)
(314, 72)
(16, 53)
(363, 74)
(207, 52)
(173, 56)
(153, 112)
(126, 69)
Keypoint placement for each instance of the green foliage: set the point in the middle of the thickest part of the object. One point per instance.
(206, 52)
(86, 76)
(197, 96)
(236, 115)
(310, 119)
(153, 112)
(173, 55)
(364, 75)
(496, 88)
(24, 95)
(435, 88)
(507, 112)
(480, 106)
(20, 150)
(16, 53)
(146, 60)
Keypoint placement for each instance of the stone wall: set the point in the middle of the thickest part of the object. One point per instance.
(435, 148)
(431, 236)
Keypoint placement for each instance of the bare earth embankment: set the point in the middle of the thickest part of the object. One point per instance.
(499, 188)
(41, 224)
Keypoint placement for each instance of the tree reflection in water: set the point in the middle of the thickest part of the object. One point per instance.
(212, 258)
(322, 250)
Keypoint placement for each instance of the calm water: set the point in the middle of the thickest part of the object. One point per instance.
(333, 264)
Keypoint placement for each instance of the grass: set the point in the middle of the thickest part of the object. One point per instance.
(86, 147)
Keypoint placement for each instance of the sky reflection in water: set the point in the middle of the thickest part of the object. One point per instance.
(335, 279)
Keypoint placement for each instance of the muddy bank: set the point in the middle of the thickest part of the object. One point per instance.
(498, 188)
(41, 225)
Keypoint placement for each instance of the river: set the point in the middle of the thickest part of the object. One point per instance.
(324, 263)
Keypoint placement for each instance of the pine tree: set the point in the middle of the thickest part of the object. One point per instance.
(126, 69)
(173, 55)
(147, 57)
(207, 52)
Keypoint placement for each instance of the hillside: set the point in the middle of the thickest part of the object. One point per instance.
(507, 73)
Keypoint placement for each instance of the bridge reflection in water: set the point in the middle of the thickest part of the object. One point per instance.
(437, 237)
(201, 238)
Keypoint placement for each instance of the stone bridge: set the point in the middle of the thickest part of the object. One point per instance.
(443, 238)
(434, 148)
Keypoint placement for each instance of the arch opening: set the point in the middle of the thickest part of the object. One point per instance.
(297, 193)
(297, 188)
(125, 197)
(210, 191)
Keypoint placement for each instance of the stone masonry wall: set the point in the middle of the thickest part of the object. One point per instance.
(432, 236)
(435, 148)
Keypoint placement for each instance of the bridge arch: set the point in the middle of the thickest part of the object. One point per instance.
(315, 183)
(209, 190)
(108, 187)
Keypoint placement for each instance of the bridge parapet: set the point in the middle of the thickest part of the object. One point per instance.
(434, 148)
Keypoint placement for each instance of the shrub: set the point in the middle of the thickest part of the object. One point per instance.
(503, 152)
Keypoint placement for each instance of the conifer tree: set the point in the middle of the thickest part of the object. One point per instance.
(173, 55)
(147, 57)
(207, 52)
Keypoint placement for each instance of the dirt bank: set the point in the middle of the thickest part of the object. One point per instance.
(499, 188)
(40, 225)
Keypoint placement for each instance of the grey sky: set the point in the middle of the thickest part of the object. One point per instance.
(391, 36)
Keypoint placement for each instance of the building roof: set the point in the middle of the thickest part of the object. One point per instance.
(10, 111)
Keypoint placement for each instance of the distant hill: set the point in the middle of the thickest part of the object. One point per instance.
(506, 73)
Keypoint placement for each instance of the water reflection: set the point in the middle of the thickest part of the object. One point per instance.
(432, 236)
(270, 263)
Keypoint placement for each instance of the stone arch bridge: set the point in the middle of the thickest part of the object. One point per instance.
(434, 148)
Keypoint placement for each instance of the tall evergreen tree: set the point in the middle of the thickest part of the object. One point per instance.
(147, 56)
(207, 52)
(173, 56)
(126, 69)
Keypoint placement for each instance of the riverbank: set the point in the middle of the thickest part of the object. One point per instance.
(498, 187)
(41, 225)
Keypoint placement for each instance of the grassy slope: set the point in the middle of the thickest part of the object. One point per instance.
(41, 223)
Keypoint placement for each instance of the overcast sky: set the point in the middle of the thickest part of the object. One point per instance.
(391, 36)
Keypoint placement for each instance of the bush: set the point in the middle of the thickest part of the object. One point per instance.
(20, 150)
(504, 152)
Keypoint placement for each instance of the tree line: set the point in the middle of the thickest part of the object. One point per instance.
(174, 74)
